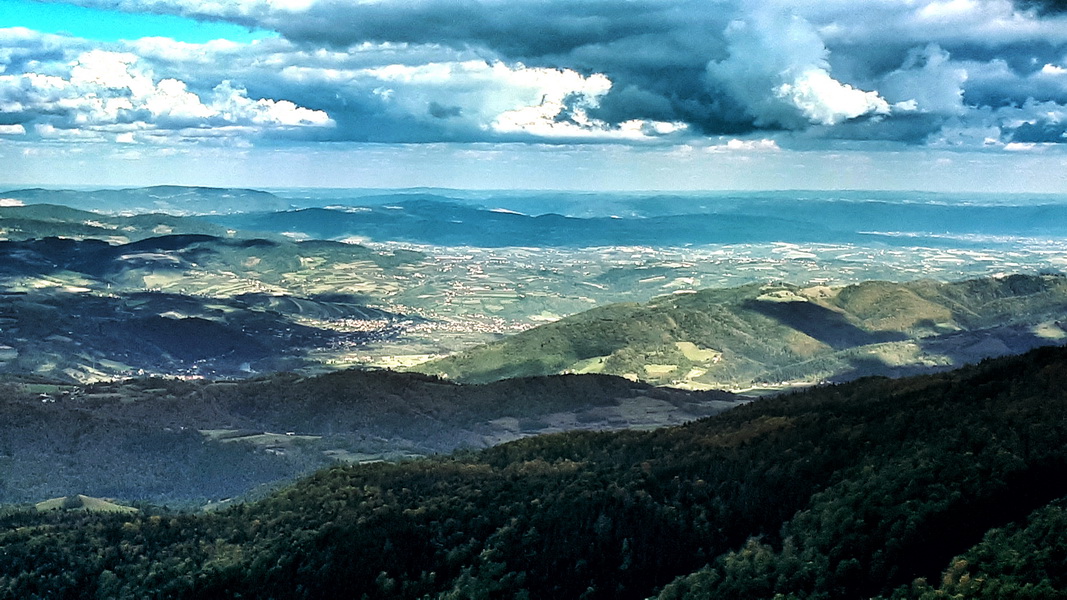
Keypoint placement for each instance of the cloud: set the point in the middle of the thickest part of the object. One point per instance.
(503, 101)
(777, 71)
(1044, 6)
(1036, 122)
(927, 82)
(745, 146)
(940, 72)
(105, 93)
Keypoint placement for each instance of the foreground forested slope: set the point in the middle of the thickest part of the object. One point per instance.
(931, 486)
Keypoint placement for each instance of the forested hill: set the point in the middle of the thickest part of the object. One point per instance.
(947, 485)
(190, 442)
(774, 334)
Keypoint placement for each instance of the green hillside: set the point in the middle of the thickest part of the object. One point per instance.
(37, 221)
(770, 335)
(951, 485)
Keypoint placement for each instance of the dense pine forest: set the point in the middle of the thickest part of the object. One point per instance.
(939, 486)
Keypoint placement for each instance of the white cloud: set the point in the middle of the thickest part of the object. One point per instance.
(487, 98)
(778, 71)
(743, 147)
(12, 130)
(948, 10)
(761, 145)
(927, 82)
(1020, 147)
(825, 101)
(487, 90)
(233, 105)
(114, 92)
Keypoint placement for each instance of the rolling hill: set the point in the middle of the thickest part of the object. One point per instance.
(85, 309)
(179, 442)
(951, 485)
(770, 335)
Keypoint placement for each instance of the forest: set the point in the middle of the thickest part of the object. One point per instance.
(936, 486)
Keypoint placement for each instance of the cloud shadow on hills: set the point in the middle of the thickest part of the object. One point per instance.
(820, 323)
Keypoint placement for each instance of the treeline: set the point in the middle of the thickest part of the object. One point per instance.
(939, 486)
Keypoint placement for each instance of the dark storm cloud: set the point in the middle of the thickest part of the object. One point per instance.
(518, 28)
(1044, 6)
(1040, 133)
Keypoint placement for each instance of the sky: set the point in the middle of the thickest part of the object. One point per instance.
(941, 95)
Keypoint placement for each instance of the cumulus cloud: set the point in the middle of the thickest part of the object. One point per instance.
(107, 93)
(744, 146)
(927, 82)
(940, 72)
(777, 70)
(1035, 122)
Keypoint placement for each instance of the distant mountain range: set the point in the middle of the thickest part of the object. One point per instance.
(89, 296)
(36, 221)
(169, 199)
(432, 219)
(769, 335)
(582, 220)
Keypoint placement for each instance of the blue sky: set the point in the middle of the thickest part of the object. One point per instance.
(571, 94)
(112, 26)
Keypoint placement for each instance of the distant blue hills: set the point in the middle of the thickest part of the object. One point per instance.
(433, 221)
(441, 221)
(171, 199)
(558, 219)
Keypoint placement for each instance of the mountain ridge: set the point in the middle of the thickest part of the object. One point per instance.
(770, 334)
(952, 484)
(169, 440)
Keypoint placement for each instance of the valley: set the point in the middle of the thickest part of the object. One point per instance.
(264, 295)
(170, 378)
(195, 443)
(533, 300)
(178, 358)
